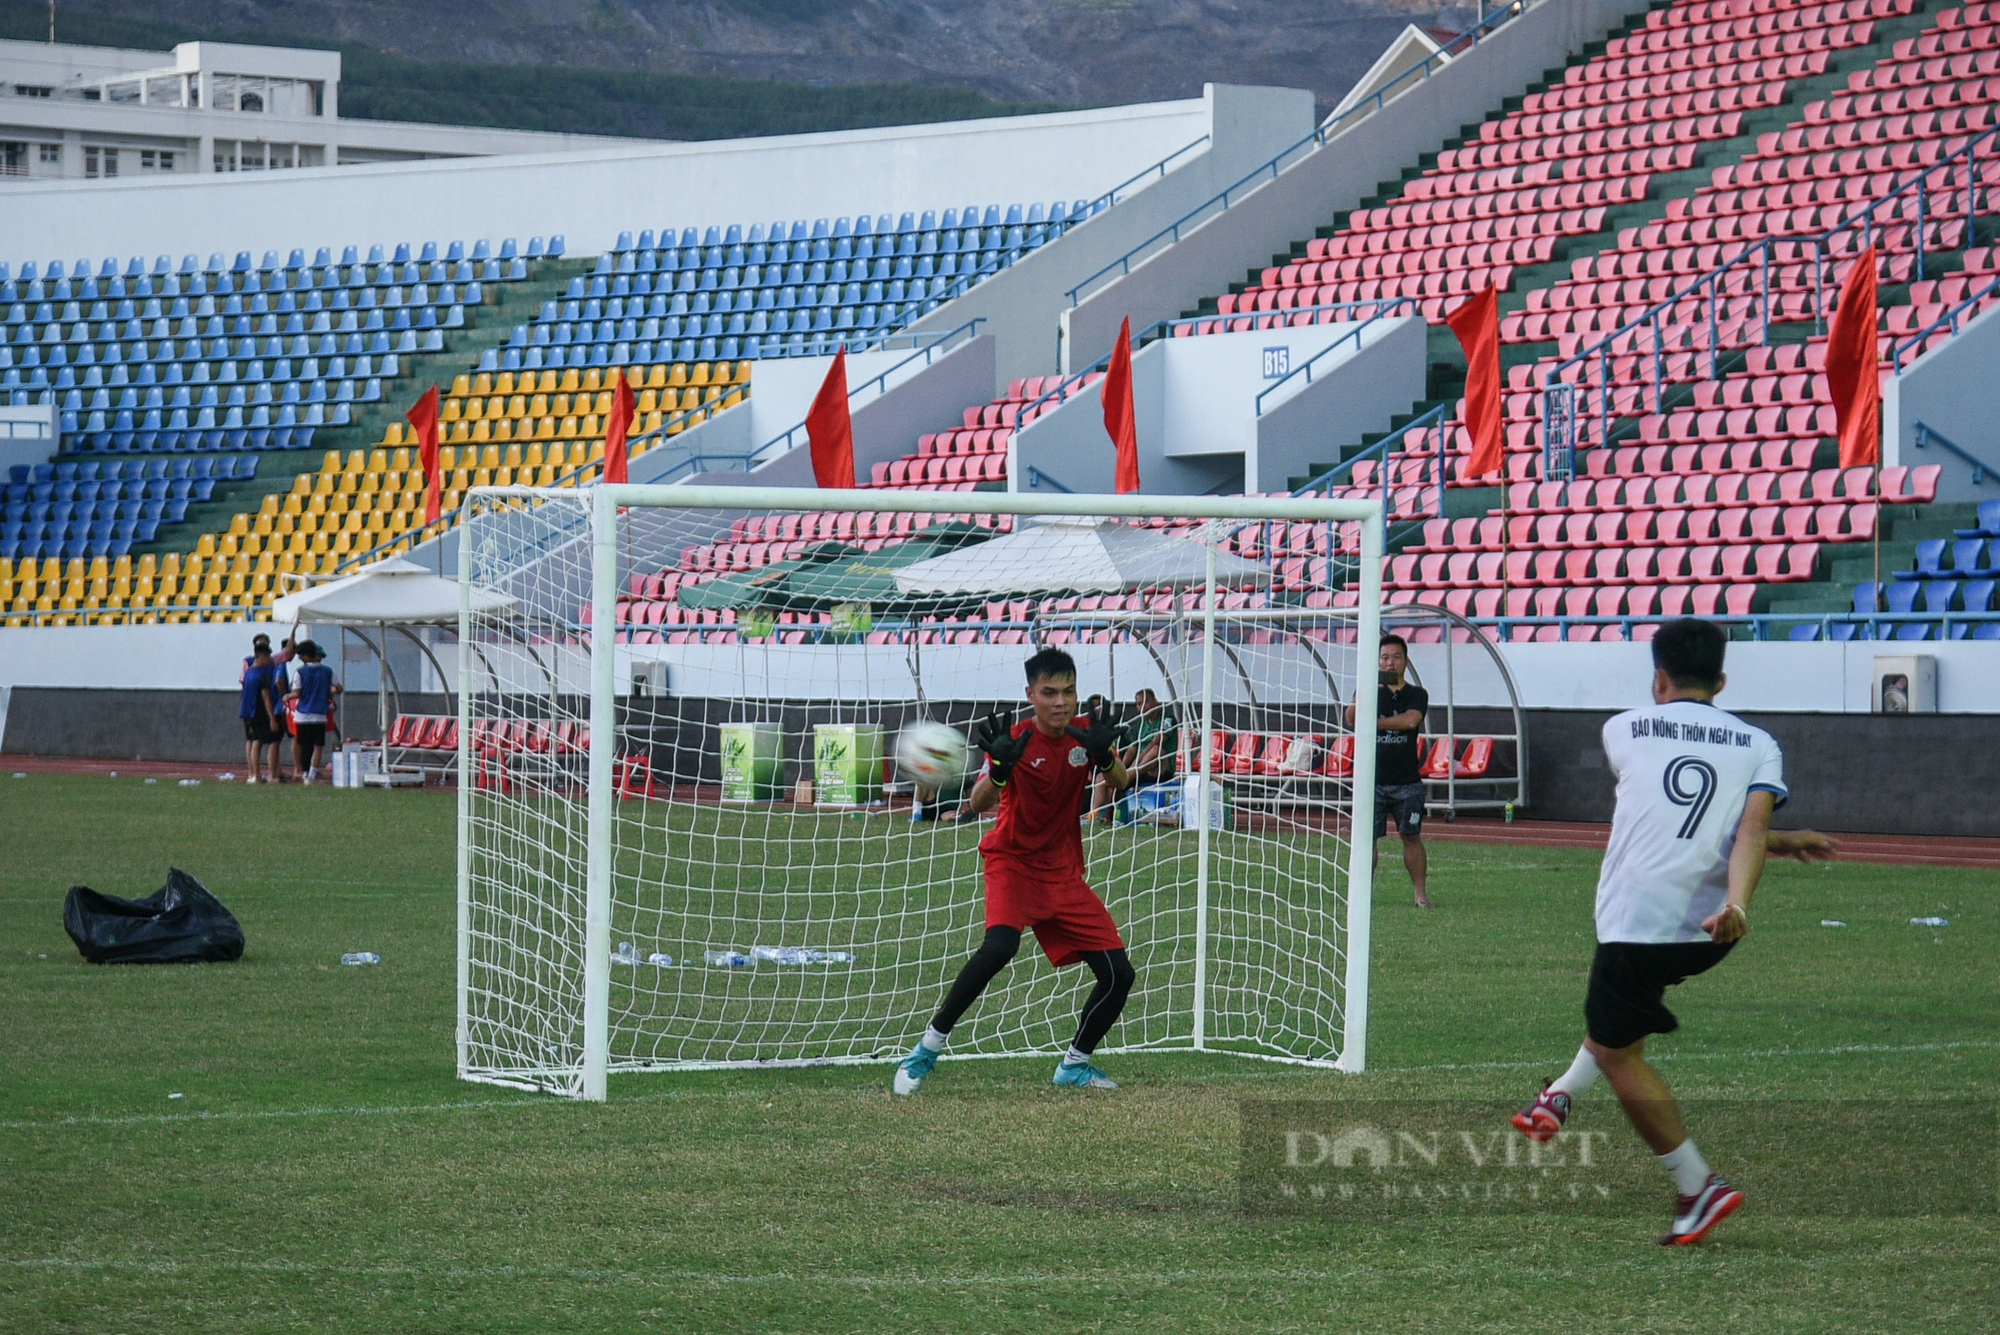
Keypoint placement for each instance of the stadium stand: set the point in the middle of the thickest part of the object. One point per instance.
(1669, 220)
(683, 314)
(1721, 498)
(224, 358)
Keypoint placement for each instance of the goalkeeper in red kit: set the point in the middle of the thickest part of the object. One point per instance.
(1037, 773)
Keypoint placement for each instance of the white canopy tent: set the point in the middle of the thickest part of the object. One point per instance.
(1080, 554)
(392, 593)
(389, 593)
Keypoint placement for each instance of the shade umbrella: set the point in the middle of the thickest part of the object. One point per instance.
(1074, 554)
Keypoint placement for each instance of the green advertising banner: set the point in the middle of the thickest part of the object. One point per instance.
(847, 764)
(752, 762)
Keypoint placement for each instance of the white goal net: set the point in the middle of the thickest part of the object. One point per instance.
(685, 841)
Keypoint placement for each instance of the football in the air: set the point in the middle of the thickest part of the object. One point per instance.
(930, 754)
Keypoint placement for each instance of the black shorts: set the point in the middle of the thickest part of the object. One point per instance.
(309, 738)
(1402, 803)
(259, 729)
(1629, 980)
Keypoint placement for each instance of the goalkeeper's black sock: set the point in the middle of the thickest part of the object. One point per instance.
(993, 955)
(1106, 1001)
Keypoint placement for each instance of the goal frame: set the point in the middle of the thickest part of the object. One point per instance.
(606, 500)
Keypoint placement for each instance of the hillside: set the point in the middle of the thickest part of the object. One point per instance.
(973, 57)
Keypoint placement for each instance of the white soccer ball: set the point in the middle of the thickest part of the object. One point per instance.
(931, 755)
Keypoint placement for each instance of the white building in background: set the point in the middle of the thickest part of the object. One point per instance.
(90, 112)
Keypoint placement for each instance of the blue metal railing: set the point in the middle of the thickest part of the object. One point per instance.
(1980, 468)
(1911, 196)
(1159, 169)
(1037, 476)
(788, 439)
(1354, 332)
(1291, 155)
(1379, 450)
(1074, 382)
(1966, 307)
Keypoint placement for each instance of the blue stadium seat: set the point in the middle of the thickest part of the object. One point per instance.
(1989, 522)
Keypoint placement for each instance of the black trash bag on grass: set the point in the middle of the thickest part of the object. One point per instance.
(181, 923)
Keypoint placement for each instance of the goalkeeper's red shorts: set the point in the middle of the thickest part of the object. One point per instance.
(1065, 914)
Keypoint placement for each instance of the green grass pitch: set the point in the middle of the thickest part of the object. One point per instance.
(323, 1170)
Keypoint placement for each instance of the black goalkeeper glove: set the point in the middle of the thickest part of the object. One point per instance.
(1003, 749)
(1098, 741)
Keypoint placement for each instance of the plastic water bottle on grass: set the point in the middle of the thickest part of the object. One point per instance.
(361, 957)
(727, 959)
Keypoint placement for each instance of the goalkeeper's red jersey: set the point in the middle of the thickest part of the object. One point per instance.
(1041, 805)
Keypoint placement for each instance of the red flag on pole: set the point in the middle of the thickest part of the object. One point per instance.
(1851, 373)
(616, 428)
(1477, 324)
(424, 417)
(1120, 422)
(831, 429)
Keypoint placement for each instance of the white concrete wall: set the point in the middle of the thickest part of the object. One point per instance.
(1777, 677)
(1353, 391)
(1021, 305)
(1071, 446)
(27, 435)
(591, 196)
(1195, 404)
(132, 658)
(1376, 147)
(886, 419)
(1947, 389)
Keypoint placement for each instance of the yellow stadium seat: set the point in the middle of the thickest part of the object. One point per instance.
(461, 385)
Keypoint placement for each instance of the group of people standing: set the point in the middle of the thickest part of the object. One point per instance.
(287, 693)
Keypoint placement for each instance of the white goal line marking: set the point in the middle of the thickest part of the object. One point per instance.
(663, 1096)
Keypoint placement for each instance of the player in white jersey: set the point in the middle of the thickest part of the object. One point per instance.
(1696, 789)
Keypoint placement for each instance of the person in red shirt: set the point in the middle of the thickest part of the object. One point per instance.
(1037, 772)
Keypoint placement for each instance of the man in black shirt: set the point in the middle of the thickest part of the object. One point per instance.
(1399, 791)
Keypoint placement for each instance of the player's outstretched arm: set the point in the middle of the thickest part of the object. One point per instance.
(1805, 845)
(1746, 868)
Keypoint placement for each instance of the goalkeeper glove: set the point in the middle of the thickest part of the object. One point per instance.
(1003, 749)
(1097, 740)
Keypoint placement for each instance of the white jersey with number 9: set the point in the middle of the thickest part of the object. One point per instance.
(1684, 770)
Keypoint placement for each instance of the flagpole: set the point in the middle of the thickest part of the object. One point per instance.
(1878, 600)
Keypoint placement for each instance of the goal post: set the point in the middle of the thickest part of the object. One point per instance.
(683, 843)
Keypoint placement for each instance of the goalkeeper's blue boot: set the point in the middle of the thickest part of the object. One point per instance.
(910, 1071)
(1082, 1075)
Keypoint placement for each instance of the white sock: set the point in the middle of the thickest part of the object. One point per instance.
(1690, 1170)
(1077, 1057)
(1581, 1075)
(933, 1040)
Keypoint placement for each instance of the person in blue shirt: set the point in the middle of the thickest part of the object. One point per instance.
(311, 700)
(257, 706)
